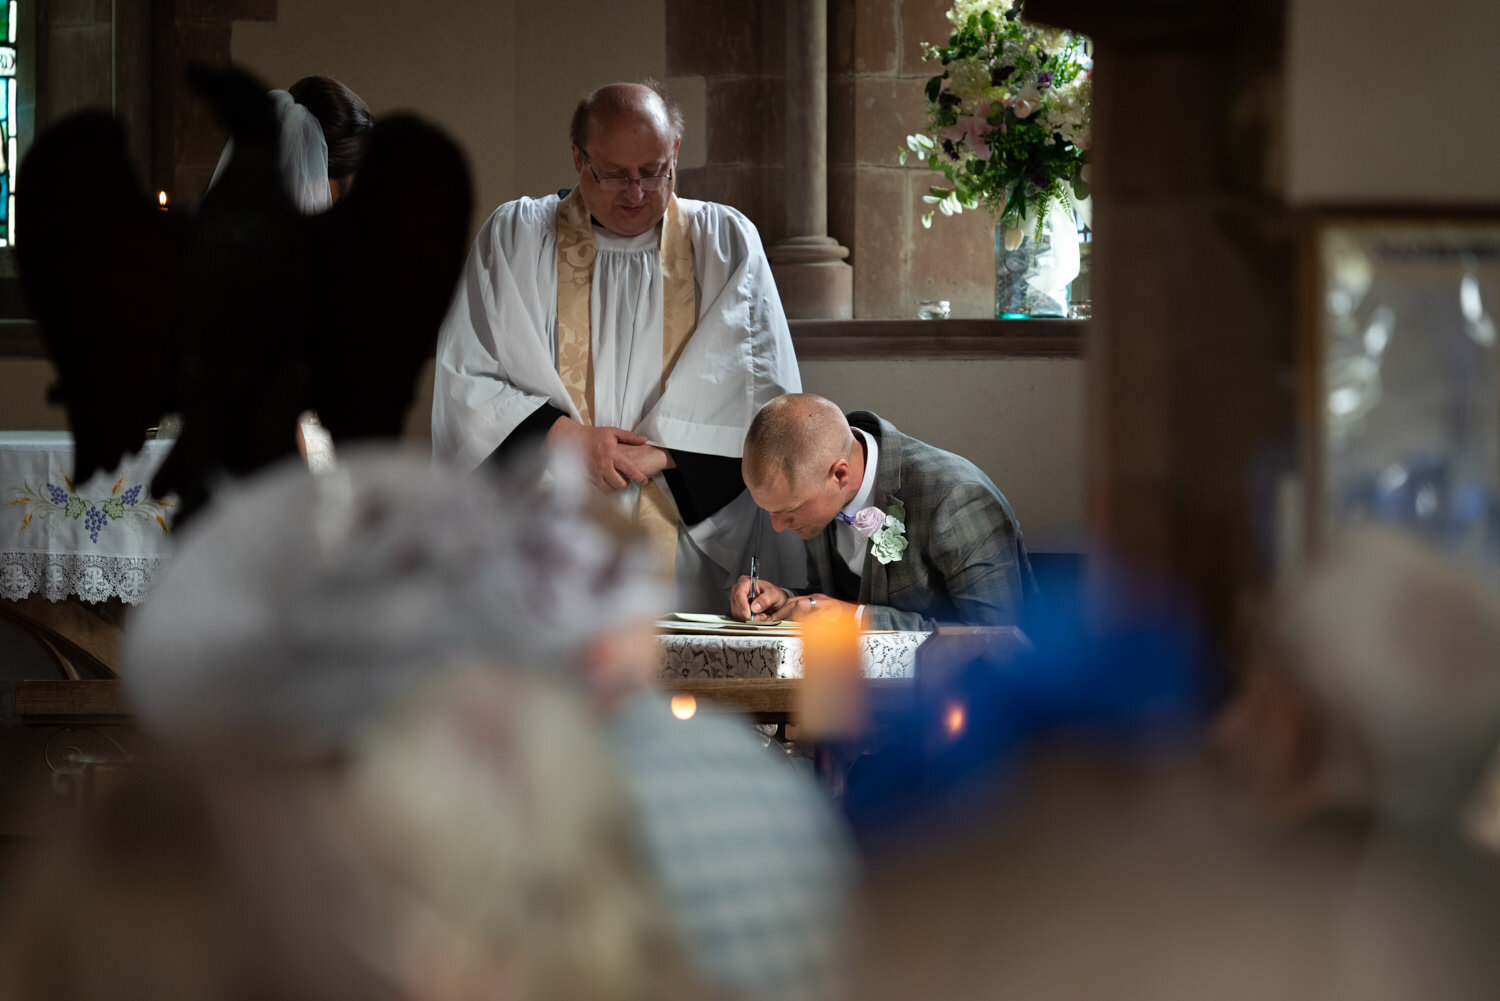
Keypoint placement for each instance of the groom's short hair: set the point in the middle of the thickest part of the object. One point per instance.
(796, 435)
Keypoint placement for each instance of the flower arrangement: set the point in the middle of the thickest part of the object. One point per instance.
(1009, 117)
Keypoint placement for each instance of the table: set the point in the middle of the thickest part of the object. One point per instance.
(703, 657)
(102, 539)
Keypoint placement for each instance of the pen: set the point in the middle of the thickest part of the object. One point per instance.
(754, 579)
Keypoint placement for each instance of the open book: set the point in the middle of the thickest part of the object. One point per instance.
(695, 622)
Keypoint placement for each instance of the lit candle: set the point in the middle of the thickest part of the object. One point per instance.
(161, 200)
(955, 719)
(834, 705)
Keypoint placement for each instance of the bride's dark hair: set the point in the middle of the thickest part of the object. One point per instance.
(345, 119)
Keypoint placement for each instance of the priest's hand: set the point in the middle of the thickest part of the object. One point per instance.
(759, 605)
(802, 606)
(649, 459)
(605, 452)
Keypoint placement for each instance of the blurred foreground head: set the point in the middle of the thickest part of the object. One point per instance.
(1376, 684)
(302, 604)
(152, 896)
(511, 864)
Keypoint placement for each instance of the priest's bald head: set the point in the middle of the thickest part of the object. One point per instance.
(801, 462)
(625, 138)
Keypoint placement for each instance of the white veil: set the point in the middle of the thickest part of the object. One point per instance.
(301, 155)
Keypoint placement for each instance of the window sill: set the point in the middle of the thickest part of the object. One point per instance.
(817, 340)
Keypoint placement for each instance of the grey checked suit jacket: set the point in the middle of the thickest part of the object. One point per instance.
(965, 561)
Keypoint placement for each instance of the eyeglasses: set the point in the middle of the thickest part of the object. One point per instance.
(615, 185)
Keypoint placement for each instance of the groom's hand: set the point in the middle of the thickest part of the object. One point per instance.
(756, 600)
(806, 605)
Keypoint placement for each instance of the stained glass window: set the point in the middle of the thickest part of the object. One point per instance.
(8, 123)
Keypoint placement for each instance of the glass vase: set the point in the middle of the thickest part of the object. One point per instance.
(1032, 277)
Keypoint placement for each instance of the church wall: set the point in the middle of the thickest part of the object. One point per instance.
(1392, 102)
(76, 38)
(452, 61)
(1019, 421)
(566, 49)
(23, 396)
(734, 54)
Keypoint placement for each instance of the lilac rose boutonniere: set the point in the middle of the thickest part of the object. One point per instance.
(886, 531)
(869, 521)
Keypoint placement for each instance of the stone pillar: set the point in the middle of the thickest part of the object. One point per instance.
(814, 280)
(1186, 435)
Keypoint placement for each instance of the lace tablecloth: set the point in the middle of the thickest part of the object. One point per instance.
(101, 539)
(885, 655)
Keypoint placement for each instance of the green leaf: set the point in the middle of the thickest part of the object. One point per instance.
(939, 192)
(76, 507)
(934, 87)
(114, 507)
(1080, 188)
(901, 157)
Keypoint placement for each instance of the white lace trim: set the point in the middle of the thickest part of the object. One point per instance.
(91, 577)
(884, 655)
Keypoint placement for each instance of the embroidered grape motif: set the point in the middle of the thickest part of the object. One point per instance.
(129, 497)
(58, 494)
(93, 521)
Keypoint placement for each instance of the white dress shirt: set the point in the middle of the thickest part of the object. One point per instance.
(852, 545)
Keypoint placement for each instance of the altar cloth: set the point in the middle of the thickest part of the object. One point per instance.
(104, 538)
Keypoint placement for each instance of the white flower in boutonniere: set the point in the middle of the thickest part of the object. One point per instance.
(885, 529)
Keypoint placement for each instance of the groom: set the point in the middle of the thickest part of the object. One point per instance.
(911, 535)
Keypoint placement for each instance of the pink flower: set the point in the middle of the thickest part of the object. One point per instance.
(1023, 108)
(966, 130)
(869, 521)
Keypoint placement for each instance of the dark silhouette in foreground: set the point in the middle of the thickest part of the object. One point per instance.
(238, 313)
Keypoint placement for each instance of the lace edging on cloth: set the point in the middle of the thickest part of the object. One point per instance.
(885, 655)
(91, 577)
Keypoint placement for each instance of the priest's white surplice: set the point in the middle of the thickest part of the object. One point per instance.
(497, 357)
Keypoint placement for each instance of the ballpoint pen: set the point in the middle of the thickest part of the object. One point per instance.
(754, 579)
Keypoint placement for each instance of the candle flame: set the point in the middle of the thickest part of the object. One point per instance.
(955, 718)
(161, 199)
(684, 706)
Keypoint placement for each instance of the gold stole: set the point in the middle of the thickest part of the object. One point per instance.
(575, 357)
